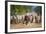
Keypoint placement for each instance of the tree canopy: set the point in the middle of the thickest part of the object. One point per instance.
(38, 10)
(19, 9)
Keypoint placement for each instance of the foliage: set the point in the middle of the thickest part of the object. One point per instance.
(19, 9)
(38, 10)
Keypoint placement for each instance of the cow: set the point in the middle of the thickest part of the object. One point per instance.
(20, 18)
(31, 18)
(37, 19)
(26, 19)
(13, 19)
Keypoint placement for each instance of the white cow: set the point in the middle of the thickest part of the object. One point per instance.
(31, 17)
(13, 19)
(38, 18)
(19, 18)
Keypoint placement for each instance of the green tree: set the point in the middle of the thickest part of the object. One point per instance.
(19, 9)
(38, 10)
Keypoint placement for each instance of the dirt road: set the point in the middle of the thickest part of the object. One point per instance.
(29, 25)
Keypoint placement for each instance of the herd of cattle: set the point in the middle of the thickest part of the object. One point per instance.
(25, 19)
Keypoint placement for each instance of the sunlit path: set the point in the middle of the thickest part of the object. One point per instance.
(29, 25)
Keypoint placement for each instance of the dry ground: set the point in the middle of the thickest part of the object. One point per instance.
(29, 25)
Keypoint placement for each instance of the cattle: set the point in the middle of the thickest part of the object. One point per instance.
(37, 19)
(25, 19)
(31, 18)
(40, 19)
(28, 18)
(17, 19)
(20, 18)
(13, 19)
